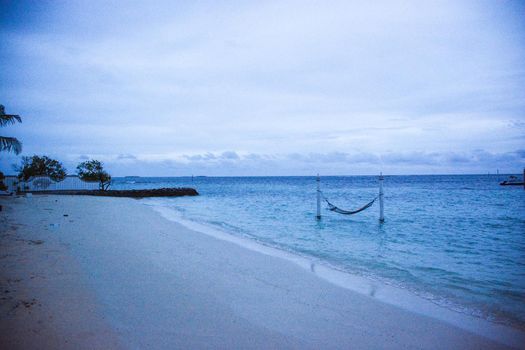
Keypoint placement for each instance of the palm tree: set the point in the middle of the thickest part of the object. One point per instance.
(9, 143)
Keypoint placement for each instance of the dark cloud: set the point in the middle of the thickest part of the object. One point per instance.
(234, 163)
(230, 155)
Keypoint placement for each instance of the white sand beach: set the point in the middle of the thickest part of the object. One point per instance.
(81, 272)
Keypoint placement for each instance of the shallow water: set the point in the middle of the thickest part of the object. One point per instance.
(457, 240)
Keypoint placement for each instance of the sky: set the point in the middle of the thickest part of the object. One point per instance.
(175, 88)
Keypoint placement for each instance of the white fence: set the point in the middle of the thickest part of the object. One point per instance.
(44, 183)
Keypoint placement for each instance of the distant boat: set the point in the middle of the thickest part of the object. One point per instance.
(512, 181)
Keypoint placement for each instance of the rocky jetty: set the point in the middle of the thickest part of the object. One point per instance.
(157, 192)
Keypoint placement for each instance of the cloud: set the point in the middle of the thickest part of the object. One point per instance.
(229, 155)
(201, 157)
(126, 157)
(228, 163)
(334, 163)
(362, 83)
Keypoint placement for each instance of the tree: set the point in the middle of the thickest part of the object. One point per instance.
(93, 170)
(9, 143)
(41, 166)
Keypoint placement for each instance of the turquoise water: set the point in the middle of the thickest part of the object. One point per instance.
(457, 240)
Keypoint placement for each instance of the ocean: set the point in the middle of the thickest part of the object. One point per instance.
(458, 240)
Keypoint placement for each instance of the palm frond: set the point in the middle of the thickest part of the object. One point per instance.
(6, 119)
(9, 144)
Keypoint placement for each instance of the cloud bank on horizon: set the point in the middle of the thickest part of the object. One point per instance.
(267, 88)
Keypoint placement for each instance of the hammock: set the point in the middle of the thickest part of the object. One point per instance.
(332, 207)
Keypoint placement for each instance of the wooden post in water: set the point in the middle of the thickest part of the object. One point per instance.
(381, 204)
(318, 216)
(524, 178)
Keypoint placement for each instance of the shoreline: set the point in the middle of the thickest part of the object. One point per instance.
(151, 282)
(364, 285)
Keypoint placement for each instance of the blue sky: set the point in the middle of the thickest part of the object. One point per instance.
(267, 87)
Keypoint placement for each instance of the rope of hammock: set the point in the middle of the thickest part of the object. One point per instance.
(336, 209)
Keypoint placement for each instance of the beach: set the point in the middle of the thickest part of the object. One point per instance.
(95, 272)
